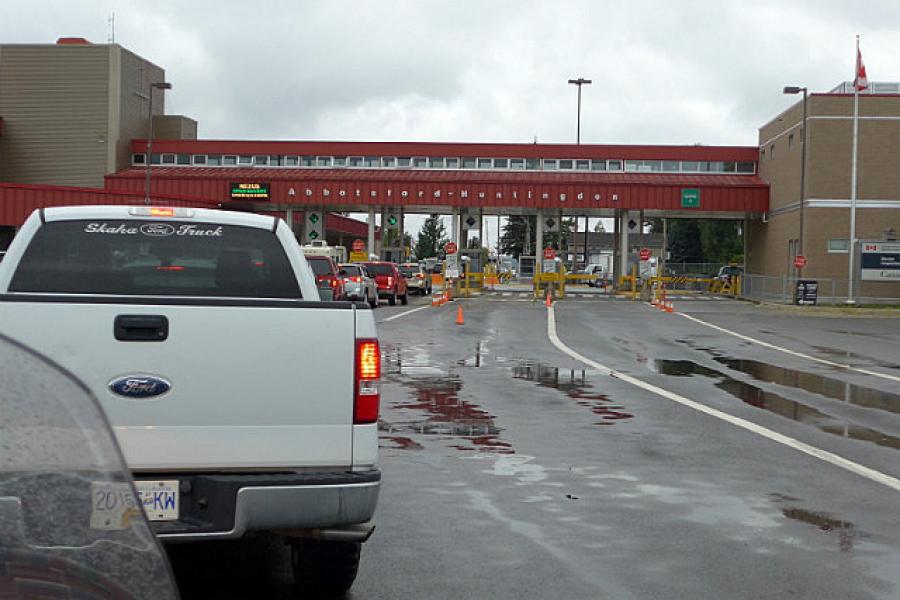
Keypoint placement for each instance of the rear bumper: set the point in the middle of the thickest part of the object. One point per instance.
(229, 506)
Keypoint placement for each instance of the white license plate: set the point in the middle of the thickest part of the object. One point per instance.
(159, 499)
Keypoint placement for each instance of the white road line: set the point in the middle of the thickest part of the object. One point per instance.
(824, 455)
(403, 314)
(505, 294)
(823, 361)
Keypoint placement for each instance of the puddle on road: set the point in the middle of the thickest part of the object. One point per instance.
(775, 403)
(574, 385)
(847, 532)
(816, 384)
(439, 411)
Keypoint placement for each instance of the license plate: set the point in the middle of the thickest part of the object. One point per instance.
(159, 499)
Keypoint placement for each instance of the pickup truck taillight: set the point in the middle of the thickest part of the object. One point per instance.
(367, 373)
(390, 281)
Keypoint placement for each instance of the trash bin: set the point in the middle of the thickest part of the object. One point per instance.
(806, 292)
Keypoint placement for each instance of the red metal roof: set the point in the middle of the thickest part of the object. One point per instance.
(18, 200)
(333, 148)
(346, 187)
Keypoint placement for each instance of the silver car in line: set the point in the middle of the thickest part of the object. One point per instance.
(359, 285)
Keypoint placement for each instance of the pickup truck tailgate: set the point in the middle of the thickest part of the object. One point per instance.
(252, 387)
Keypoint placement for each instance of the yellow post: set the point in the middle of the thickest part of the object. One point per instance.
(634, 271)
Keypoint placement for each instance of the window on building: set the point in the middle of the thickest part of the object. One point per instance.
(388, 161)
(690, 166)
(517, 163)
(614, 165)
(598, 165)
(199, 159)
(452, 163)
(245, 159)
(501, 163)
(551, 164)
(274, 160)
(419, 162)
(404, 161)
(214, 160)
(291, 161)
(355, 161)
(729, 167)
(339, 161)
(323, 161)
(484, 163)
(632, 166)
(716, 166)
(373, 162)
(138, 159)
(566, 164)
(772, 152)
(671, 166)
(790, 141)
(261, 161)
(229, 160)
(468, 162)
(582, 165)
(436, 162)
(183, 159)
(746, 167)
(168, 159)
(532, 164)
(839, 245)
(307, 161)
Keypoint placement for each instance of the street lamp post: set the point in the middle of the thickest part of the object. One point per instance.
(580, 82)
(159, 85)
(797, 90)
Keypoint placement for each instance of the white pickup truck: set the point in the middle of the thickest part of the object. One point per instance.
(241, 401)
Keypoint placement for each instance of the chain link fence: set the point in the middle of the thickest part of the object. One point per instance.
(781, 290)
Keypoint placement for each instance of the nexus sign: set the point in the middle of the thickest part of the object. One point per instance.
(249, 191)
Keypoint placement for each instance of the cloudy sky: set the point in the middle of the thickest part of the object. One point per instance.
(664, 72)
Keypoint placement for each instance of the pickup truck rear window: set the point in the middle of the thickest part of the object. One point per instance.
(319, 266)
(155, 258)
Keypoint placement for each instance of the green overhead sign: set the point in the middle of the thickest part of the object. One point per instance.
(690, 198)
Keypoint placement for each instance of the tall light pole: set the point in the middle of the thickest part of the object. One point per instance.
(796, 90)
(580, 82)
(159, 85)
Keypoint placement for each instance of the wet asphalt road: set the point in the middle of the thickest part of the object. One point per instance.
(513, 471)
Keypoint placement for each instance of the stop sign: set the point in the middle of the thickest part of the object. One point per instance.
(549, 253)
(450, 248)
(645, 253)
(359, 245)
(799, 261)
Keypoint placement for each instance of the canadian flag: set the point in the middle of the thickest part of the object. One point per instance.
(861, 82)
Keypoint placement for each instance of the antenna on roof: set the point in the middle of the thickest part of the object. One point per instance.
(111, 26)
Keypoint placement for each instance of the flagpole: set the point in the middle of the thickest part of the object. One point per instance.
(853, 165)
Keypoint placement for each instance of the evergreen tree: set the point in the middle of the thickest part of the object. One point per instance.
(684, 241)
(720, 241)
(432, 237)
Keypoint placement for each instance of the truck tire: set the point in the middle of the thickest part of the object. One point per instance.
(393, 299)
(404, 299)
(324, 568)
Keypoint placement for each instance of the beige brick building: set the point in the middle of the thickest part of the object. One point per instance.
(774, 242)
(70, 110)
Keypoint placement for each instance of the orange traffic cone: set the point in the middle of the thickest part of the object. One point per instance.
(548, 303)
(459, 316)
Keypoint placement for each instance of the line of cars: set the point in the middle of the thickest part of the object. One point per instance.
(368, 282)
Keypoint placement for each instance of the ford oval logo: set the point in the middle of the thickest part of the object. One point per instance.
(157, 229)
(139, 386)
